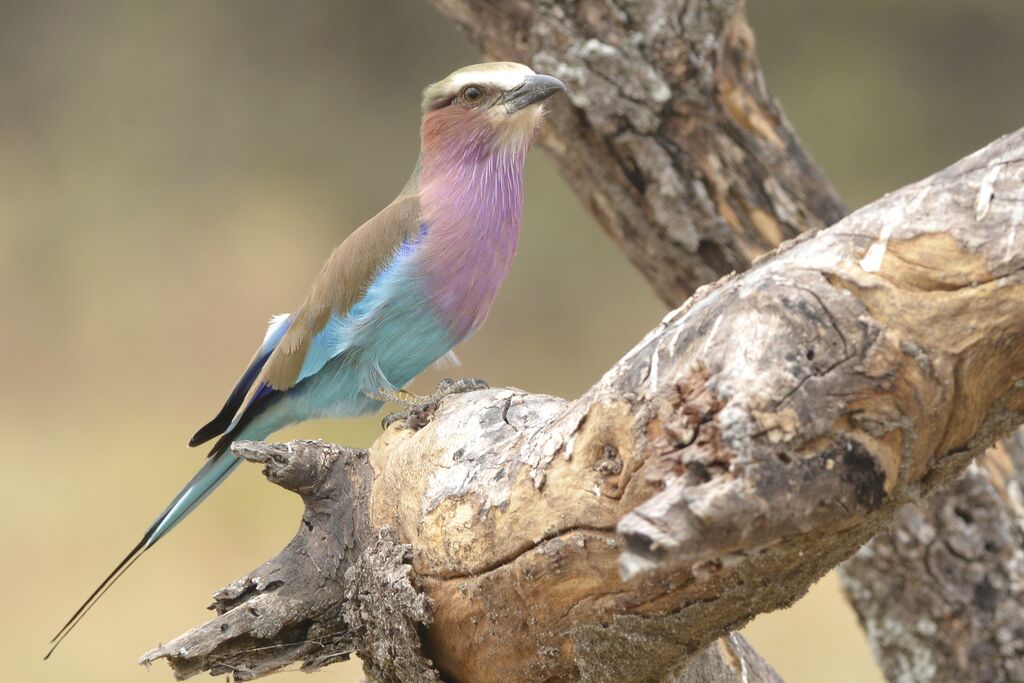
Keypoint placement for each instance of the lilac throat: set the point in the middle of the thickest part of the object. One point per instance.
(471, 198)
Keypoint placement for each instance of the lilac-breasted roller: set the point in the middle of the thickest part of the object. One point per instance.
(399, 293)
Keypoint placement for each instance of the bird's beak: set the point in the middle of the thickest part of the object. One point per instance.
(534, 89)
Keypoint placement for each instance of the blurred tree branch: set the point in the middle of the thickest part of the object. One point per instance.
(941, 595)
(670, 137)
(756, 438)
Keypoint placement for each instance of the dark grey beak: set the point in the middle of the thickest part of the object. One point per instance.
(534, 89)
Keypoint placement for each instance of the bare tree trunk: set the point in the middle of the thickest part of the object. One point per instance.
(752, 441)
(941, 595)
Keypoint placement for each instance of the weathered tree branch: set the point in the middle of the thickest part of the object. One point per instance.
(338, 587)
(752, 441)
(717, 151)
(292, 608)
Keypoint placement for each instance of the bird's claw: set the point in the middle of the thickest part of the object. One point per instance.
(418, 414)
(447, 387)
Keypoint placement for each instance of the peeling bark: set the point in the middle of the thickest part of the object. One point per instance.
(753, 440)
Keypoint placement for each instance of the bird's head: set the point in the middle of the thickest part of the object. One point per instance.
(497, 103)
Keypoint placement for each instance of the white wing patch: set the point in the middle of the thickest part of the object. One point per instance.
(274, 329)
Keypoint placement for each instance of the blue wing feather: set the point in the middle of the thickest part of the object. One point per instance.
(337, 336)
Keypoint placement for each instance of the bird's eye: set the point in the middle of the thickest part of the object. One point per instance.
(472, 94)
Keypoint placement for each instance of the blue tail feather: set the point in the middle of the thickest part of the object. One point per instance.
(213, 472)
(210, 476)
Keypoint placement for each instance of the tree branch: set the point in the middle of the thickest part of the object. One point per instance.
(656, 167)
(752, 441)
(292, 607)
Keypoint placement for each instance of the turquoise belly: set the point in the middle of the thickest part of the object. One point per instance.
(389, 336)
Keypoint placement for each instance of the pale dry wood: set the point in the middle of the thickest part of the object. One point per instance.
(752, 441)
(340, 588)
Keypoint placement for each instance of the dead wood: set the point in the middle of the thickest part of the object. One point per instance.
(753, 440)
(664, 170)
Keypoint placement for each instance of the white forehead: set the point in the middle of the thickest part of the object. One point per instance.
(503, 75)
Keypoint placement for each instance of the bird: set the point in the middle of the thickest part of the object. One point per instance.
(398, 294)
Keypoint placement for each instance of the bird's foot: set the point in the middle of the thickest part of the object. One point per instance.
(399, 396)
(420, 409)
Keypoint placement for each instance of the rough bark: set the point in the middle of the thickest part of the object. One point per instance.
(941, 595)
(669, 136)
(340, 587)
(292, 607)
(753, 440)
(663, 170)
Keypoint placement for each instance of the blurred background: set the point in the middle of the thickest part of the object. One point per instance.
(171, 174)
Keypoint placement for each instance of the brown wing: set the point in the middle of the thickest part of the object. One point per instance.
(341, 282)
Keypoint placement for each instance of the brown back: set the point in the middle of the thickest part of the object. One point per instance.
(343, 279)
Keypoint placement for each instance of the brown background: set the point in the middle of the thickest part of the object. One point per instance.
(171, 174)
